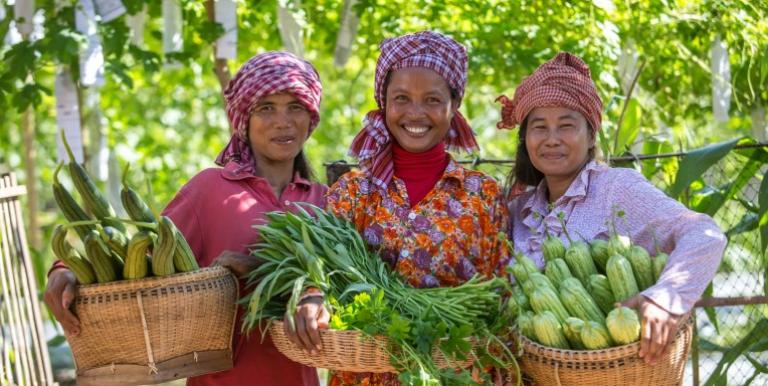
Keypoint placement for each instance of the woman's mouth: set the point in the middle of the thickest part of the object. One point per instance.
(284, 139)
(415, 131)
(552, 156)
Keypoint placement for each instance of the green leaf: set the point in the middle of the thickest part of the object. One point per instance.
(630, 127)
(717, 197)
(457, 344)
(763, 225)
(720, 374)
(711, 313)
(707, 200)
(652, 145)
(57, 340)
(762, 201)
(357, 287)
(748, 223)
(756, 364)
(696, 162)
(399, 327)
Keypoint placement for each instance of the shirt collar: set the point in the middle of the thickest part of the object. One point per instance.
(234, 171)
(454, 171)
(578, 189)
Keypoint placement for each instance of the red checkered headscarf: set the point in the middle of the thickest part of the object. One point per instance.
(262, 75)
(427, 49)
(564, 81)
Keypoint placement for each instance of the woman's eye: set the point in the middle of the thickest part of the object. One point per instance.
(400, 98)
(296, 107)
(433, 100)
(265, 108)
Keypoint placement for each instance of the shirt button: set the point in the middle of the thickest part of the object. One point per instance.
(411, 216)
(404, 253)
(287, 203)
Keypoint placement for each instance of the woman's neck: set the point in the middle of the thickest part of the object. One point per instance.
(277, 174)
(558, 185)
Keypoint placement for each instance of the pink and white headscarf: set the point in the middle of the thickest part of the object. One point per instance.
(262, 75)
(563, 81)
(427, 49)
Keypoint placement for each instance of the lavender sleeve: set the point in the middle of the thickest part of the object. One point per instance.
(694, 242)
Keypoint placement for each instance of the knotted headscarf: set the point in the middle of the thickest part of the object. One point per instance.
(262, 75)
(427, 49)
(564, 81)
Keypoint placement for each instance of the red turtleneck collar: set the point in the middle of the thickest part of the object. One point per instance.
(419, 171)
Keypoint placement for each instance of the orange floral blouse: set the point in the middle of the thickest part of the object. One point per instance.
(457, 230)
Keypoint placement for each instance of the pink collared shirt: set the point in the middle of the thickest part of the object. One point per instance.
(694, 242)
(216, 211)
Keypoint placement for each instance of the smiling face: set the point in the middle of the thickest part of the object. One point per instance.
(558, 141)
(278, 128)
(419, 108)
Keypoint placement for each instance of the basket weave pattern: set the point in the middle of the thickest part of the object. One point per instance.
(349, 351)
(621, 365)
(149, 321)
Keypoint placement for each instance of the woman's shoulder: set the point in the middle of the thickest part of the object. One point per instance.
(203, 180)
(353, 177)
(478, 182)
(617, 176)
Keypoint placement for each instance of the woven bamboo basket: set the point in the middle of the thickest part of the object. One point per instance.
(156, 329)
(349, 351)
(548, 366)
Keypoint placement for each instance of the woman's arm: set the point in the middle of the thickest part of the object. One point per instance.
(311, 314)
(694, 242)
(498, 252)
(695, 246)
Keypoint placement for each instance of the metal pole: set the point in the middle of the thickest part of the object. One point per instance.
(695, 353)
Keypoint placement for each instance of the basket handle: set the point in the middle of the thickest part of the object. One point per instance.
(557, 373)
(152, 367)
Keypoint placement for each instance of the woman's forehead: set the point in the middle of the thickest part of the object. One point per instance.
(278, 97)
(554, 112)
(417, 79)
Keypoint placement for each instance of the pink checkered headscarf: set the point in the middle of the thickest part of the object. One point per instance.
(564, 81)
(427, 49)
(262, 75)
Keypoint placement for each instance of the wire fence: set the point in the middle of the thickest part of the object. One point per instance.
(742, 272)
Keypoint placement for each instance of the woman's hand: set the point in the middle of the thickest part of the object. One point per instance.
(657, 327)
(240, 264)
(59, 294)
(310, 317)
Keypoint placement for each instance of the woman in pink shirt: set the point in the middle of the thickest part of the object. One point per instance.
(273, 105)
(559, 112)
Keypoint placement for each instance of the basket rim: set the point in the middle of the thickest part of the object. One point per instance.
(374, 342)
(149, 283)
(377, 339)
(613, 353)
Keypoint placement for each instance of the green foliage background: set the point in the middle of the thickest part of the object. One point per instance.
(170, 119)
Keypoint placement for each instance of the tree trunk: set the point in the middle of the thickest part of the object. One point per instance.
(30, 156)
(220, 66)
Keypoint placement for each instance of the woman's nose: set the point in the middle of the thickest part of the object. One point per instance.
(414, 110)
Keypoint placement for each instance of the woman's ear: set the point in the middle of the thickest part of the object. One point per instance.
(454, 107)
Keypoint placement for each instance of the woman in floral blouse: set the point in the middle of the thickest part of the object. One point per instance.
(432, 220)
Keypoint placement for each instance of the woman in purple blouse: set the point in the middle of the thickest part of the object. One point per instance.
(559, 113)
